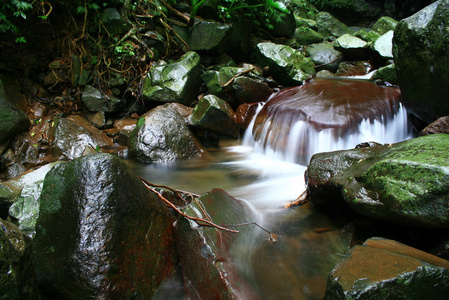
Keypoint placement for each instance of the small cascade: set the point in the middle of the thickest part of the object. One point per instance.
(327, 115)
(321, 116)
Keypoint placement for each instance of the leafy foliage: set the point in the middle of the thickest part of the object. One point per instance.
(17, 9)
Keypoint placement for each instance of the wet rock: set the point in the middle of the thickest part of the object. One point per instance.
(17, 279)
(386, 74)
(100, 233)
(12, 120)
(74, 134)
(209, 36)
(162, 135)
(324, 56)
(251, 90)
(352, 47)
(358, 68)
(245, 114)
(216, 81)
(441, 125)
(7, 197)
(328, 25)
(286, 65)
(114, 22)
(175, 82)
(381, 269)
(307, 36)
(425, 92)
(367, 35)
(383, 46)
(25, 208)
(384, 24)
(403, 183)
(97, 119)
(214, 113)
(97, 101)
(208, 256)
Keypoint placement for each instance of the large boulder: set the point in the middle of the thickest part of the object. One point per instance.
(287, 65)
(385, 269)
(174, 82)
(101, 234)
(162, 135)
(353, 48)
(405, 183)
(17, 279)
(12, 120)
(420, 47)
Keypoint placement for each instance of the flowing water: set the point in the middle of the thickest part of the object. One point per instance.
(266, 169)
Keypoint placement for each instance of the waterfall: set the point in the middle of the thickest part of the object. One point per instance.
(325, 115)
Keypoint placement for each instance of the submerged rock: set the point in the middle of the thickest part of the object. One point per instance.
(405, 183)
(175, 82)
(287, 65)
(385, 269)
(208, 255)
(100, 233)
(421, 44)
(162, 135)
(17, 279)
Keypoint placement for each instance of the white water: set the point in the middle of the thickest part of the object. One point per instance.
(280, 177)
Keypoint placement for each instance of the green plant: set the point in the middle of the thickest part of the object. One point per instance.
(17, 9)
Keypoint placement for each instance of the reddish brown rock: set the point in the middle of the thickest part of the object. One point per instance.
(245, 114)
(441, 125)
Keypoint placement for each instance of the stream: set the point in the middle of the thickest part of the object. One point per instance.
(309, 244)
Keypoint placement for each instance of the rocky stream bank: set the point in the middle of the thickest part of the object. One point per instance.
(77, 223)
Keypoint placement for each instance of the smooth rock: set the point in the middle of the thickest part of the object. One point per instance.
(385, 269)
(97, 101)
(324, 56)
(328, 25)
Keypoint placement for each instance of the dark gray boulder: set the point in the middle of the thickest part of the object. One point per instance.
(97, 101)
(17, 279)
(420, 47)
(101, 234)
(12, 120)
(162, 135)
(209, 36)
